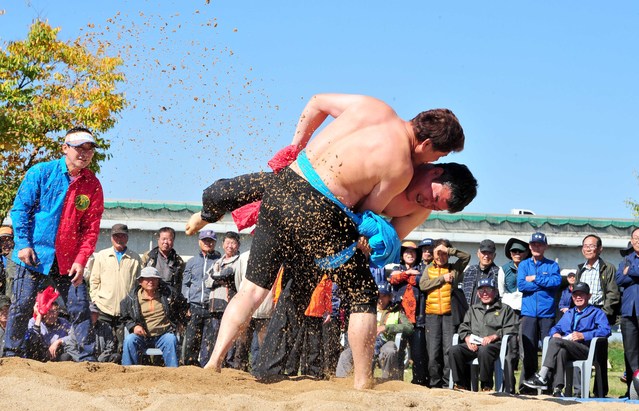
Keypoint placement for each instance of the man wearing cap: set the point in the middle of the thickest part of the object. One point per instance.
(600, 276)
(150, 314)
(426, 247)
(113, 275)
(106, 344)
(538, 279)
(485, 324)
(570, 341)
(56, 218)
(516, 251)
(627, 277)
(485, 269)
(199, 330)
(7, 267)
(225, 278)
(167, 261)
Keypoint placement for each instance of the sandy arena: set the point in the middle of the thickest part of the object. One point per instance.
(29, 384)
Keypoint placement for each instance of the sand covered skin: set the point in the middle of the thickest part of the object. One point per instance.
(27, 384)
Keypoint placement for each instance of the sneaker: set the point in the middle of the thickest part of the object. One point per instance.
(557, 393)
(536, 382)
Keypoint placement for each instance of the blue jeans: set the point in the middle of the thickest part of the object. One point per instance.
(25, 286)
(135, 344)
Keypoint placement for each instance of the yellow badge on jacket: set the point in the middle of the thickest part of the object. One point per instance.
(82, 202)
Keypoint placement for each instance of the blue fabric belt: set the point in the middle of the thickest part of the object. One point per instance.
(382, 237)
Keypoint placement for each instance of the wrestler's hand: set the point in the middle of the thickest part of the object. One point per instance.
(363, 245)
(28, 256)
(194, 224)
(76, 273)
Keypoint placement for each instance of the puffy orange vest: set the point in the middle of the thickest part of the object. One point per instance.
(438, 299)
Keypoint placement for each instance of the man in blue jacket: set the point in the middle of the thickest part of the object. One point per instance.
(538, 279)
(571, 339)
(627, 277)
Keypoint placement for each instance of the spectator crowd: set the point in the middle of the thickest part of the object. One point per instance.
(61, 301)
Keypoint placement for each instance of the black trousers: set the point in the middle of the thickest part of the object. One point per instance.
(532, 331)
(280, 338)
(630, 338)
(559, 352)
(308, 350)
(419, 355)
(460, 356)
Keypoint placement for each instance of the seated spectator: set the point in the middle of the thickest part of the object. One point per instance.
(46, 334)
(570, 341)
(391, 320)
(565, 301)
(5, 302)
(150, 314)
(485, 323)
(106, 343)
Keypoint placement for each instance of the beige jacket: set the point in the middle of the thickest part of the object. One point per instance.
(110, 282)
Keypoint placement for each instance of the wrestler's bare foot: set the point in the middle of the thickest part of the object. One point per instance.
(195, 224)
(363, 384)
(211, 365)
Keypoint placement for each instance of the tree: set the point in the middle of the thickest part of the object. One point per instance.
(48, 86)
(634, 205)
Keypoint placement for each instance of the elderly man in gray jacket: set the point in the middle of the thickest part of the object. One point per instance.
(485, 323)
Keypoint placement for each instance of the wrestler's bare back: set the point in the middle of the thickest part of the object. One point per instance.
(365, 155)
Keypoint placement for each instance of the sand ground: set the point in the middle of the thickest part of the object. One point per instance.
(27, 384)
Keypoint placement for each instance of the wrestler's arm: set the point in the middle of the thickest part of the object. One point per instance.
(319, 108)
(404, 225)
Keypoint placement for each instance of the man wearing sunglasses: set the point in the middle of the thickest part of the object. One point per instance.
(56, 218)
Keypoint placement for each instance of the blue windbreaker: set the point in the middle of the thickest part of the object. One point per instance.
(538, 297)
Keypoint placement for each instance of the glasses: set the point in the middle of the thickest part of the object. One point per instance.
(484, 290)
(589, 246)
(635, 238)
(516, 251)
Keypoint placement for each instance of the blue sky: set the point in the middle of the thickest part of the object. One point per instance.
(546, 91)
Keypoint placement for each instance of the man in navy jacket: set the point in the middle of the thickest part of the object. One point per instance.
(627, 277)
(570, 339)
